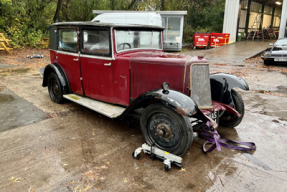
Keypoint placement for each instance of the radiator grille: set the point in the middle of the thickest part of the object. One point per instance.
(200, 85)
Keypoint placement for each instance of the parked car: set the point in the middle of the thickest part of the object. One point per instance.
(117, 70)
(277, 53)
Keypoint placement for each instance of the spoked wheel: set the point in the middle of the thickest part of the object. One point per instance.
(166, 129)
(55, 88)
(231, 120)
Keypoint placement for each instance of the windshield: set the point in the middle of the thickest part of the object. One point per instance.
(128, 39)
(281, 42)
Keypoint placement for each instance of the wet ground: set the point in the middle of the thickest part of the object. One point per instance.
(50, 147)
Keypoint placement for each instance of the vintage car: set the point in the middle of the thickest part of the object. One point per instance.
(117, 70)
(277, 53)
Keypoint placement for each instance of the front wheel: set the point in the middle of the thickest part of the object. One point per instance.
(231, 120)
(166, 129)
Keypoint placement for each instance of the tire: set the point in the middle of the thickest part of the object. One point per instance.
(55, 89)
(166, 129)
(167, 168)
(231, 120)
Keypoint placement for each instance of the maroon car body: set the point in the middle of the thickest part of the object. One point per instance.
(124, 67)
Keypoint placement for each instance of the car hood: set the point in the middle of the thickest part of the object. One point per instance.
(165, 58)
(150, 69)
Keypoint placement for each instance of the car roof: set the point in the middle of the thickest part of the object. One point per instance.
(98, 24)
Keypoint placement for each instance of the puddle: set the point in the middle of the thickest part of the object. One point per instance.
(5, 98)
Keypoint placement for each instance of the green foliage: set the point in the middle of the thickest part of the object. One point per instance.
(26, 21)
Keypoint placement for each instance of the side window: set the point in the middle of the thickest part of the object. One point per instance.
(68, 40)
(96, 42)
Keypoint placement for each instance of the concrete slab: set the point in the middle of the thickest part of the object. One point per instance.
(85, 150)
(16, 111)
(232, 53)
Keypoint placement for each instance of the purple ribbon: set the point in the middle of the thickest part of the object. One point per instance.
(213, 138)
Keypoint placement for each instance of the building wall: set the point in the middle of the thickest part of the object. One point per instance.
(231, 17)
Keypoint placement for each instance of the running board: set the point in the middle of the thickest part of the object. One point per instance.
(103, 108)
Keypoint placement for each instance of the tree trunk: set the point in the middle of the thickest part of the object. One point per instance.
(68, 9)
(57, 13)
(162, 5)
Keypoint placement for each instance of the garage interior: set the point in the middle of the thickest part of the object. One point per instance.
(254, 15)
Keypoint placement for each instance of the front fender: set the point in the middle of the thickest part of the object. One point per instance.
(222, 84)
(175, 100)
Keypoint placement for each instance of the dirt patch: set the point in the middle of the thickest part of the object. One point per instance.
(19, 59)
(58, 114)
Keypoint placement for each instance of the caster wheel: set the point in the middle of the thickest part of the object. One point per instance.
(167, 168)
(152, 156)
(137, 157)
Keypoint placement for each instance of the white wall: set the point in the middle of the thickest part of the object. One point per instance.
(283, 19)
(267, 20)
(276, 21)
(231, 17)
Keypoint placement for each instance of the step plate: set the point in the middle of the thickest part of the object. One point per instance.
(106, 109)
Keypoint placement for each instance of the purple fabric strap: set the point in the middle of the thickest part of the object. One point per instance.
(213, 138)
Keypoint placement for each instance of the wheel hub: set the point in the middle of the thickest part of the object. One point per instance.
(164, 130)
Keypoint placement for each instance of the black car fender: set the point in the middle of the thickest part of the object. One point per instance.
(177, 101)
(222, 84)
(61, 75)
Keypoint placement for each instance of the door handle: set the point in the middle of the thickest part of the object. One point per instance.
(76, 59)
(108, 64)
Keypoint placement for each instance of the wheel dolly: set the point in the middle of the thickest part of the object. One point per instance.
(155, 152)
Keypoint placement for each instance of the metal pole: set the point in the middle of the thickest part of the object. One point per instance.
(262, 16)
(247, 17)
(272, 20)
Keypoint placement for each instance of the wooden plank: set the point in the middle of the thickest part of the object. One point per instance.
(6, 40)
(6, 48)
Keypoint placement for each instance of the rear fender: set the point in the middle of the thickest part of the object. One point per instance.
(222, 84)
(61, 75)
(177, 101)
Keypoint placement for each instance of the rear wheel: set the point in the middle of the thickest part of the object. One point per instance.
(231, 120)
(55, 88)
(166, 129)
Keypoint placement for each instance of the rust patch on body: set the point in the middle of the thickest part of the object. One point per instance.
(182, 111)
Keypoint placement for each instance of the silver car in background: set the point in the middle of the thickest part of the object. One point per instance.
(277, 53)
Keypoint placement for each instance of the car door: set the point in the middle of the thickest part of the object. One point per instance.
(96, 64)
(68, 56)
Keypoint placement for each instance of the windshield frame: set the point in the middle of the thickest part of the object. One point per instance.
(137, 29)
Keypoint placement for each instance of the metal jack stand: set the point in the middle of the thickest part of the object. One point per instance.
(155, 152)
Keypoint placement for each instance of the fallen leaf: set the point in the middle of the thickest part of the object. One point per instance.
(182, 169)
(125, 180)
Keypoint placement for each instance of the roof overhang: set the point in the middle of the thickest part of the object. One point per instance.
(159, 12)
(271, 3)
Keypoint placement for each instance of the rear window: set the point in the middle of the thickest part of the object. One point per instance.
(68, 39)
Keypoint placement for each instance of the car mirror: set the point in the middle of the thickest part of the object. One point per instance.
(270, 44)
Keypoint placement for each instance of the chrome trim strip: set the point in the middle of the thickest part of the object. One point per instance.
(185, 72)
(112, 44)
(96, 57)
(68, 53)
